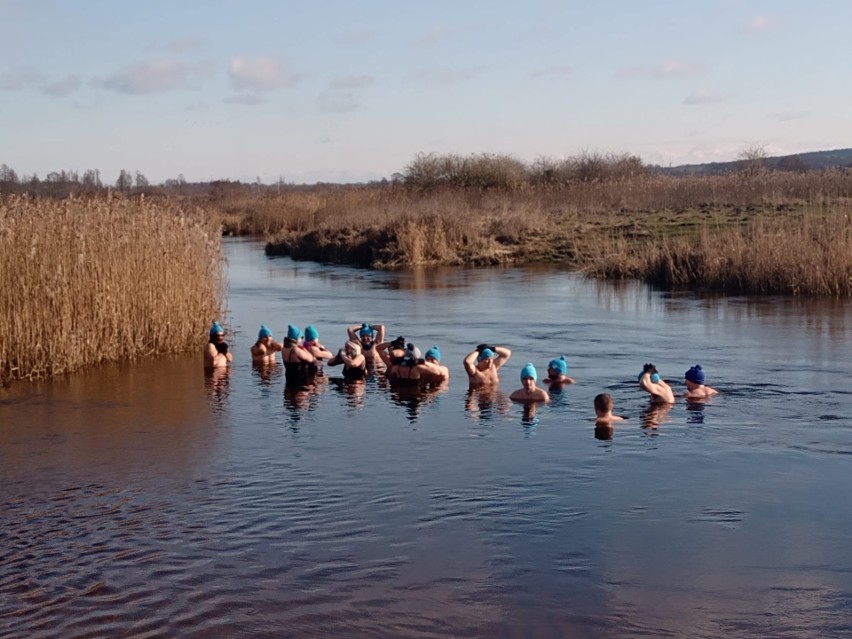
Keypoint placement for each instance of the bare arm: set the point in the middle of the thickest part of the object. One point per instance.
(382, 350)
(320, 352)
(470, 362)
(503, 355)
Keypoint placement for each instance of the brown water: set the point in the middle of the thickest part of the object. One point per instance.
(150, 500)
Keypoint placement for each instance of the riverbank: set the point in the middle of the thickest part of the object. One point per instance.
(696, 232)
(85, 281)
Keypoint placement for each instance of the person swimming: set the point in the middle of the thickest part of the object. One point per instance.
(315, 348)
(482, 364)
(530, 392)
(367, 336)
(695, 388)
(437, 374)
(603, 411)
(299, 364)
(557, 372)
(264, 349)
(651, 382)
(216, 352)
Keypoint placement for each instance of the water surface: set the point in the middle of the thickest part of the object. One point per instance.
(152, 500)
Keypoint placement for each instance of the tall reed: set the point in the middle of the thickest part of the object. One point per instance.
(87, 281)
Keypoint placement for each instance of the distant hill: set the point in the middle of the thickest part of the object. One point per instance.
(798, 162)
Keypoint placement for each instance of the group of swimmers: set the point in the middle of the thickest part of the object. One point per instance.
(366, 351)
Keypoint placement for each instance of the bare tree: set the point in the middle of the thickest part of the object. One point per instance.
(752, 159)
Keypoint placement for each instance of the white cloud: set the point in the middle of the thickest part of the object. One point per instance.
(66, 86)
(673, 68)
(554, 72)
(20, 79)
(264, 73)
(757, 24)
(157, 76)
(704, 97)
(352, 82)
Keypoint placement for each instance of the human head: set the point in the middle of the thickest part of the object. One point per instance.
(366, 333)
(529, 376)
(353, 348)
(293, 333)
(263, 333)
(557, 367)
(216, 332)
(695, 375)
(311, 334)
(412, 352)
(434, 353)
(485, 359)
(603, 404)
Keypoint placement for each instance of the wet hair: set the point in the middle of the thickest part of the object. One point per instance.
(603, 403)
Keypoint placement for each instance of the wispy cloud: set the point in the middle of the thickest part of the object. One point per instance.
(704, 97)
(351, 82)
(157, 76)
(444, 75)
(787, 116)
(246, 99)
(66, 86)
(357, 37)
(264, 73)
(20, 79)
(757, 24)
(673, 68)
(434, 36)
(552, 73)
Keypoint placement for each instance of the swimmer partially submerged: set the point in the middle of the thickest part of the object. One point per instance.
(695, 388)
(530, 392)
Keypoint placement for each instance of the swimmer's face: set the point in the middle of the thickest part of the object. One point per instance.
(367, 339)
(484, 364)
(219, 337)
(528, 383)
(552, 373)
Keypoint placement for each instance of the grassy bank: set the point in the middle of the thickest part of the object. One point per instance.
(654, 228)
(87, 281)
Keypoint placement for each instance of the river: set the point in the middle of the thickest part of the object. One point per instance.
(151, 500)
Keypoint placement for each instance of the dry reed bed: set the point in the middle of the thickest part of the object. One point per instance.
(88, 281)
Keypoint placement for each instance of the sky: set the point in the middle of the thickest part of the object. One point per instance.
(346, 91)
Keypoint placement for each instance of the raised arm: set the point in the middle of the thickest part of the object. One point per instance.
(382, 350)
(470, 362)
(503, 355)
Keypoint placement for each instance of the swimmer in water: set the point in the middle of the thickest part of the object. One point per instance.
(438, 374)
(695, 388)
(299, 364)
(216, 352)
(482, 364)
(367, 337)
(264, 349)
(603, 411)
(315, 348)
(353, 360)
(557, 372)
(530, 392)
(651, 382)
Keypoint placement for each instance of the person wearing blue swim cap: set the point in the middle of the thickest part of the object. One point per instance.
(438, 373)
(264, 349)
(367, 336)
(557, 372)
(482, 364)
(529, 392)
(651, 382)
(313, 346)
(695, 388)
(216, 352)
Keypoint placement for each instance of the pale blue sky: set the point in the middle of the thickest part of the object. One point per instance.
(350, 91)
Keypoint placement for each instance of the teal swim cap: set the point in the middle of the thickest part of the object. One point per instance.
(264, 332)
(293, 332)
(656, 378)
(434, 352)
(486, 353)
(559, 364)
(366, 330)
(215, 329)
(311, 334)
(528, 372)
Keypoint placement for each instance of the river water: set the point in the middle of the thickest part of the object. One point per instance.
(151, 500)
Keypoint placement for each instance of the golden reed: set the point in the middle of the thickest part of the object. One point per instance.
(91, 280)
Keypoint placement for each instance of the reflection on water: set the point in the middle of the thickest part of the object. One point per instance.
(156, 500)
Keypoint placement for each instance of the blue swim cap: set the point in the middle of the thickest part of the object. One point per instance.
(486, 353)
(311, 334)
(528, 372)
(215, 329)
(366, 329)
(293, 332)
(695, 375)
(434, 352)
(559, 364)
(264, 332)
(655, 378)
